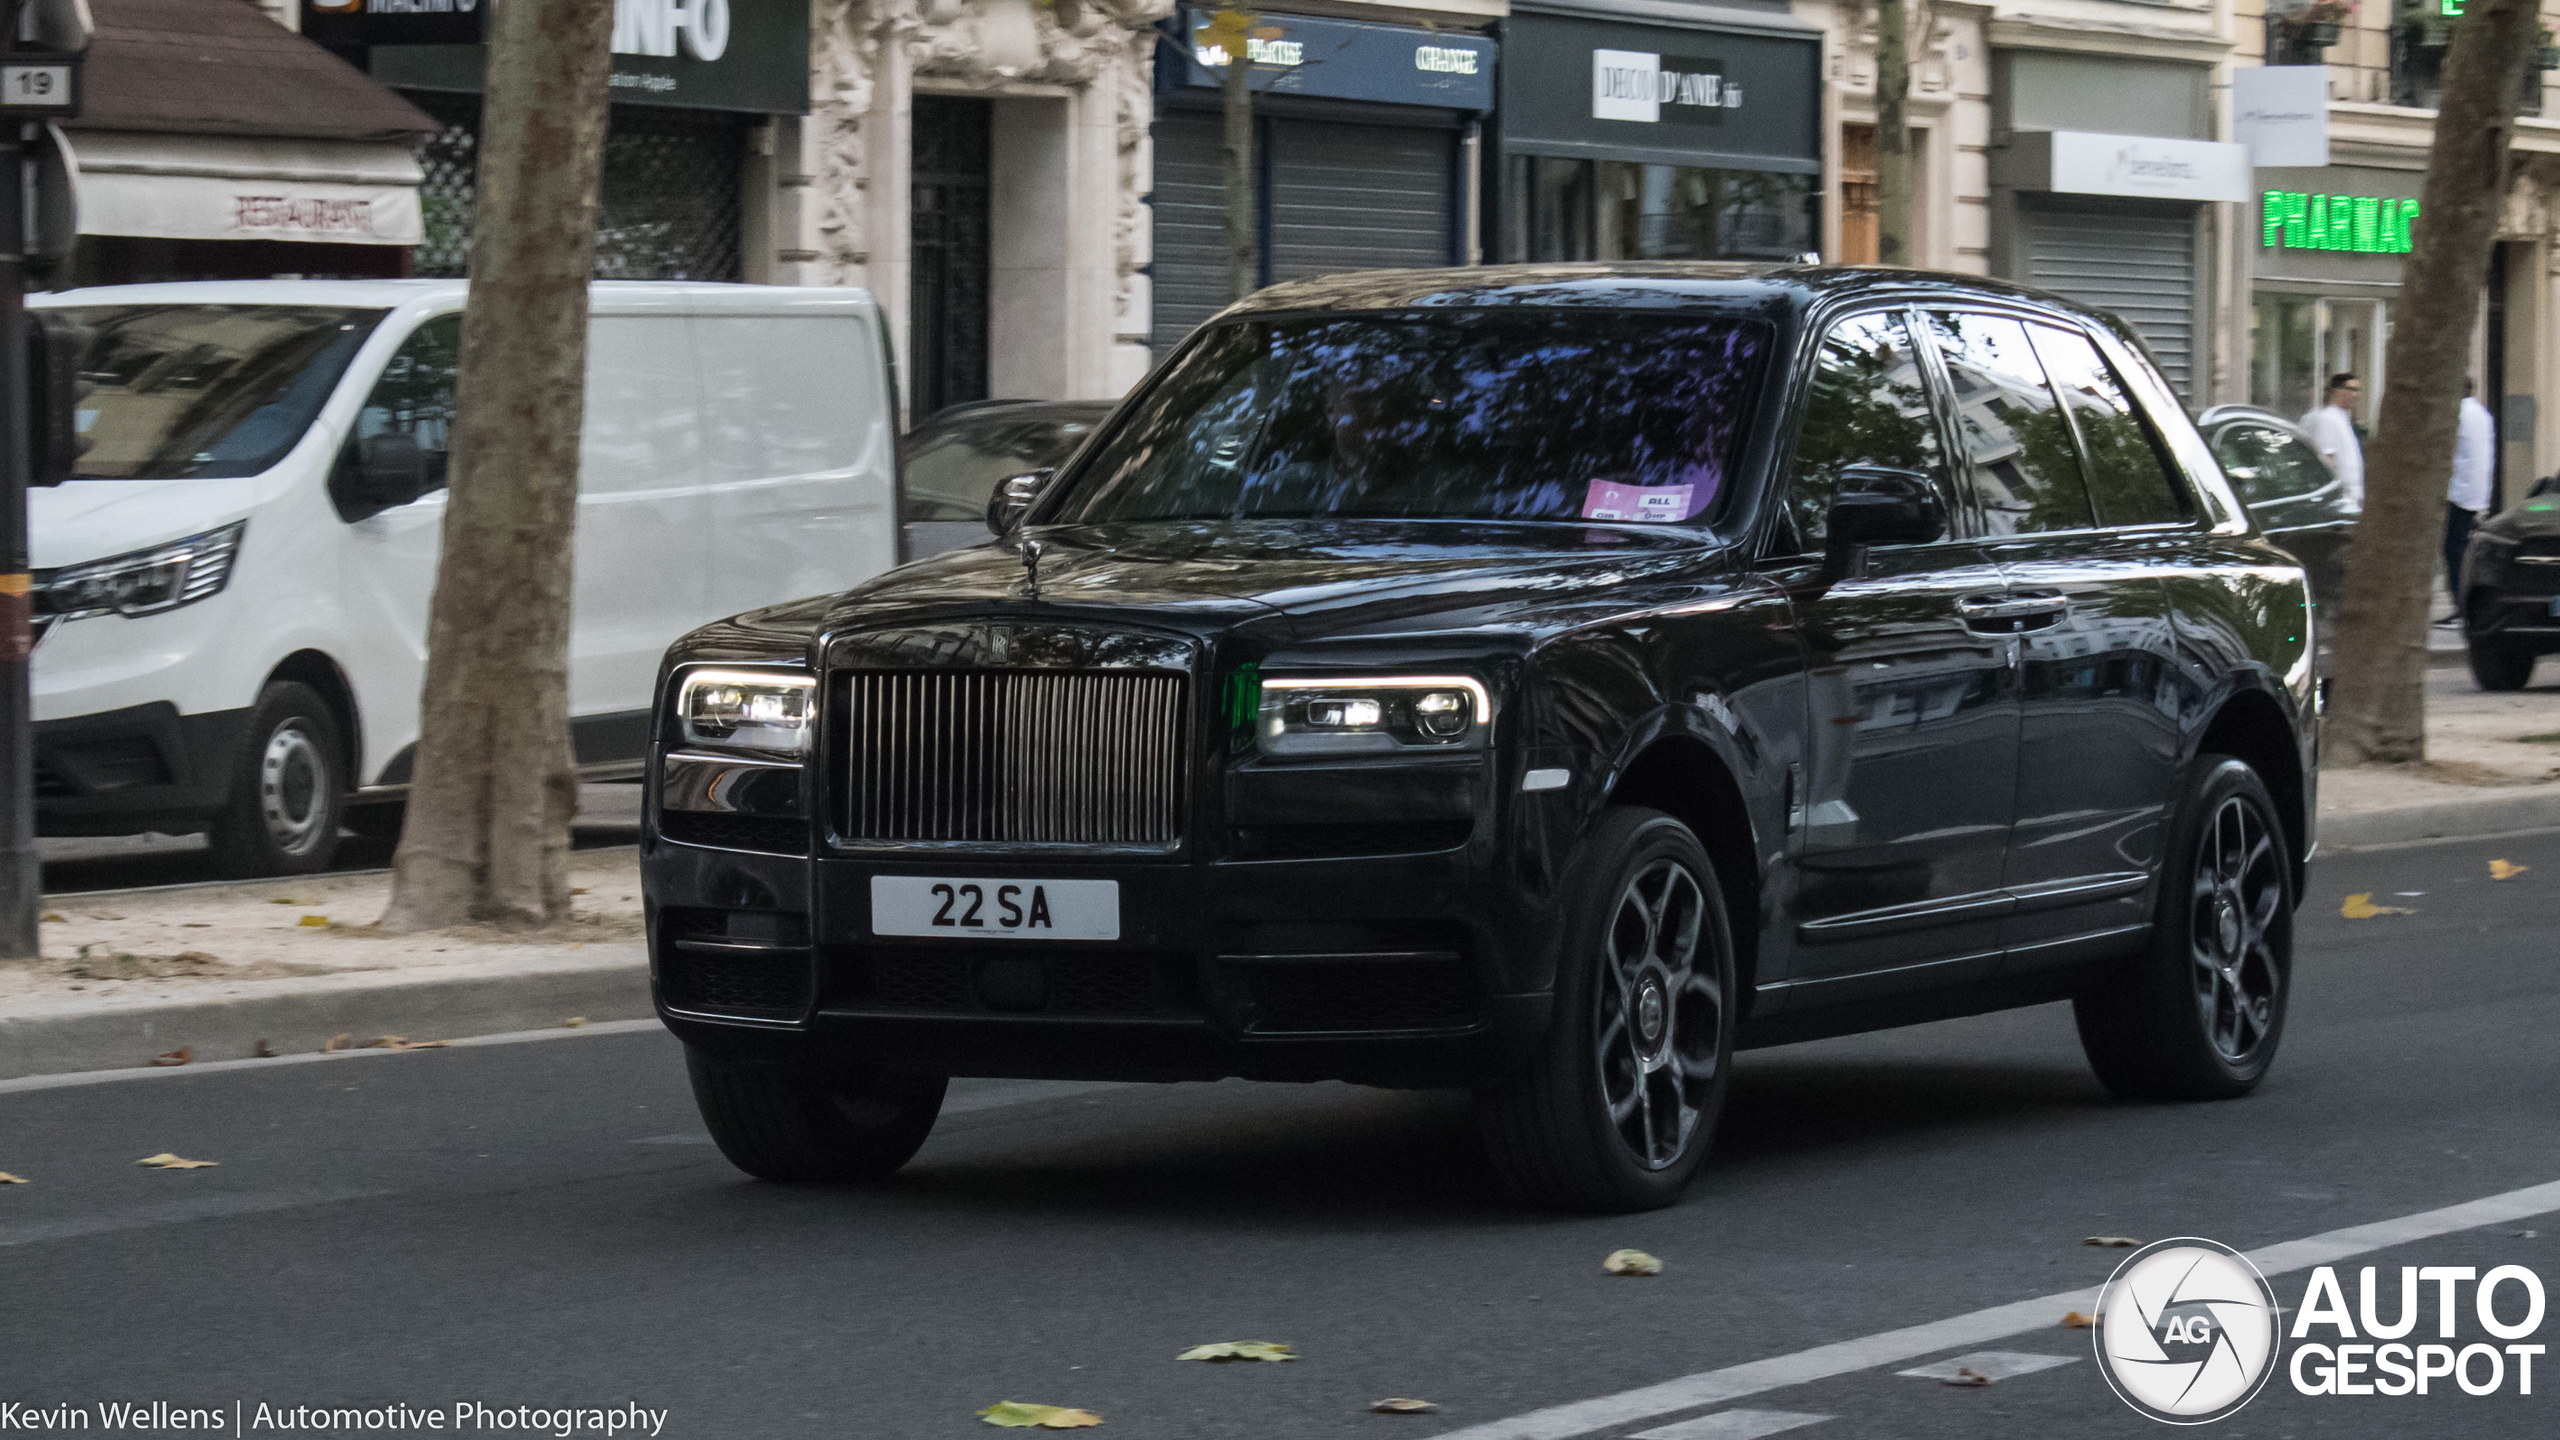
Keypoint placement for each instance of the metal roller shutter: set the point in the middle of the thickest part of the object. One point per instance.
(1190, 269)
(2138, 265)
(1358, 197)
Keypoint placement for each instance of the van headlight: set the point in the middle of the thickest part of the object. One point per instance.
(145, 582)
(747, 710)
(1382, 716)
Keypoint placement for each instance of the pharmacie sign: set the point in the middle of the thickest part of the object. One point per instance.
(2356, 224)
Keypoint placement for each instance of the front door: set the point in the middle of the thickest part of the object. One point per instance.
(948, 244)
(2081, 515)
(1907, 794)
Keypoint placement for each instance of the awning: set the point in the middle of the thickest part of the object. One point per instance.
(237, 187)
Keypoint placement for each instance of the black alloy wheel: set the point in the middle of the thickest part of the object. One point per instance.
(2197, 1015)
(1619, 1105)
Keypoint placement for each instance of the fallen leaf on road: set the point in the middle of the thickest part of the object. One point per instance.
(2361, 907)
(319, 921)
(2521, 1234)
(2077, 1321)
(2501, 870)
(1631, 1262)
(1398, 1405)
(1017, 1415)
(578, 890)
(284, 900)
(166, 1161)
(574, 1021)
(195, 925)
(49, 915)
(1237, 1350)
(2113, 1242)
(336, 1043)
(1968, 1377)
(8, 1179)
(395, 1042)
(179, 1056)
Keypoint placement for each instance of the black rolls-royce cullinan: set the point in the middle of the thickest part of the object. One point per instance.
(1542, 681)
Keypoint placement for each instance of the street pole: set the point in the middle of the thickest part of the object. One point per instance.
(21, 875)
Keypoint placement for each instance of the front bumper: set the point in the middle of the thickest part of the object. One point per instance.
(1386, 969)
(144, 767)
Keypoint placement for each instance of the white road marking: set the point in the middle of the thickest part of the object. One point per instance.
(193, 1207)
(1731, 1425)
(155, 1072)
(1990, 1365)
(1893, 1347)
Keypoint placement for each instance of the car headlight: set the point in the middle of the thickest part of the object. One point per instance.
(747, 710)
(1386, 715)
(145, 582)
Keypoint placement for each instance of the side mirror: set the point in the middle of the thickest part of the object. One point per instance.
(1012, 499)
(2548, 484)
(390, 470)
(1885, 505)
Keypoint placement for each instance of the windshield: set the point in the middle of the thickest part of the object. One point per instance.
(954, 467)
(180, 391)
(1506, 416)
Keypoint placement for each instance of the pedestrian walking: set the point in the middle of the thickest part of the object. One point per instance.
(2475, 464)
(2333, 429)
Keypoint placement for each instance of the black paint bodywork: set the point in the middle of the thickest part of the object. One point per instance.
(2511, 575)
(1911, 820)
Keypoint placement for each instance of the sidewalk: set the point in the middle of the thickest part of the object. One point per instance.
(229, 971)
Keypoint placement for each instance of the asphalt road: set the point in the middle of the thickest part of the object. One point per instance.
(545, 1224)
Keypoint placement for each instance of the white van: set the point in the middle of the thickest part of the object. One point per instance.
(231, 596)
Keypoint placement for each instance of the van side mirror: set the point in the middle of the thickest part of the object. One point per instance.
(1880, 505)
(391, 470)
(1012, 498)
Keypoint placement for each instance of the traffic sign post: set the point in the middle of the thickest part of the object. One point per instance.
(41, 52)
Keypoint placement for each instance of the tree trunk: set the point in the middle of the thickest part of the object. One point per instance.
(487, 837)
(1893, 134)
(1244, 249)
(2381, 639)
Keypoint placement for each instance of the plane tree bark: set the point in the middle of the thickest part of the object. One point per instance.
(495, 783)
(2381, 639)
(1893, 133)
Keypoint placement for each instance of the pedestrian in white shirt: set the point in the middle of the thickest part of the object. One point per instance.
(2333, 429)
(2475, 466)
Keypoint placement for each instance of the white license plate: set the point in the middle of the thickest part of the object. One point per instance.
(978, 909)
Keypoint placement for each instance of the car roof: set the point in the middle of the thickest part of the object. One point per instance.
(1637, 285)
(970, 411)
(2213, 415)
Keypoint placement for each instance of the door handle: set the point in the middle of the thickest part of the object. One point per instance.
(2010, 615)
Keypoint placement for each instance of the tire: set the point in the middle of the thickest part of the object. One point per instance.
(2198, 1015)
(778, 1125)
(2501, 664)
(1609, 1115)
(288, 788)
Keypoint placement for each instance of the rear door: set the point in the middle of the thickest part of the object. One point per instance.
(2084, 522)
(1907, 791)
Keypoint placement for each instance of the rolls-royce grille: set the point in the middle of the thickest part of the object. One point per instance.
(1014, 757)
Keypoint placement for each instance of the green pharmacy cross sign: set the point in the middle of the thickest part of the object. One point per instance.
(2359, 224)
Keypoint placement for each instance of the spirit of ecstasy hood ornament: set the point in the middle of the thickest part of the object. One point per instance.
(1031, 569)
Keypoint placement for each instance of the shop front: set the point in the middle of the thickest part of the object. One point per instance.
(1696, 136)
(695, 89)
(1365, 146)
(2327, 249)
(217, 145)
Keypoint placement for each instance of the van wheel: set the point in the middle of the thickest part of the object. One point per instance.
(2198, 1014)
(1616, 1109)
(777, 1125)
(288, 788)
(2501, 664)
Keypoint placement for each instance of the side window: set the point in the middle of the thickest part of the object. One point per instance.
(2024, 469)
(2267, 464)
(414, 397)
(1869, 405)
(2129, 483)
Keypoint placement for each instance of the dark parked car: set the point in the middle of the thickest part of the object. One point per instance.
(2511, 589)
(1545, 681)
(951, 463)
(2297, 500)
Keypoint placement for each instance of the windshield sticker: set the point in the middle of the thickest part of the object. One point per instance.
(1660, 504)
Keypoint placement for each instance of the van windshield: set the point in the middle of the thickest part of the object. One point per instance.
(185, 391)
(1514, 415)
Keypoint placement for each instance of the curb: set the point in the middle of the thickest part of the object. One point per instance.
(446, 1008)
(2444, 820)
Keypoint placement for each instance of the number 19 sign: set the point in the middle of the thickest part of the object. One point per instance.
(40, 87)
